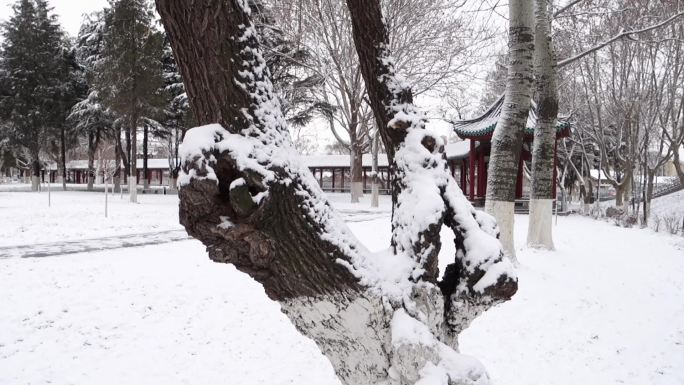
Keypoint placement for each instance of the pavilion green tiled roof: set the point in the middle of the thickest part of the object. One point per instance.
(485, 124)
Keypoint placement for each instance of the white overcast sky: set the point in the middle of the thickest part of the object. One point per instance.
(70, 12)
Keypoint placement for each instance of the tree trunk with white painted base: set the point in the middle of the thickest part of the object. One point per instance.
(507, 138)
(249, 198)
(35, 173)
(356, 172)
(133, 161)
(539, 232)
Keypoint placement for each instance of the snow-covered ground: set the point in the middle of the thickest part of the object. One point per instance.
(606, 308)
(75, 215)
(669, 205)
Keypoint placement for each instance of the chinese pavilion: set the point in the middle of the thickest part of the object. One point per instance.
(470, 167)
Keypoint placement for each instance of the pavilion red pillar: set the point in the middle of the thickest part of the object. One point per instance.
(471, 169)
(481, 180)
(342, 181)
(364, 180)
(333, 180)
(463, 175)
(555, 166)
(320, 177)
(519, 181)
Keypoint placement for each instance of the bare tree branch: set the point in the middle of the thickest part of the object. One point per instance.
(618, 37)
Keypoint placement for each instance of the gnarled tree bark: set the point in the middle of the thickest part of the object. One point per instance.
(246, 195)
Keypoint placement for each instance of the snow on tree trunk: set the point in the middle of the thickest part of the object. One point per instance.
(507, 138)
(425, 196)
(539, 233)
(247, 195)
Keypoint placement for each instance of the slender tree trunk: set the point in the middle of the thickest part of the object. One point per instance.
(35, 171)
(507, 138)
(62, 156)
(127, 135)
(91, 161)
(648, 192)
(539, 233)
(146, 182)
(133, 160)
(375, 178)
(117, 163)
(262, 211)
(627, 188)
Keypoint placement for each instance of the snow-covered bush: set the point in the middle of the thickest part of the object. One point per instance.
(655, 222)
(673, 223)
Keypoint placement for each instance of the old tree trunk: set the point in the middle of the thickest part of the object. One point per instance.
(248, 197)
(539, 233)
(507, 139)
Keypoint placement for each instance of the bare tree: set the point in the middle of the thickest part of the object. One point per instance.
(247, 196)
(434, 43)
(624, 87)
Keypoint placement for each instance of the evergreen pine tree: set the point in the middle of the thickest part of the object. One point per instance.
(34, 69)
(91, 118)
(177, 114)
(130, 72)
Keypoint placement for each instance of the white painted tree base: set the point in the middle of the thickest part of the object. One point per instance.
(356, 191)
(370, 340)
(540, 229)
(375, 195)
(132, 190)
(503, 212)
(35, 183)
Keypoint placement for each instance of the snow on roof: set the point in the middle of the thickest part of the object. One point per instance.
(486, 123)
(457, 150)
(595, 174)
(341, 160)
(453, 150)
(82, 164)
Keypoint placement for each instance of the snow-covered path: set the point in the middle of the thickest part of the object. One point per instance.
(92, 244)
(606, 308)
